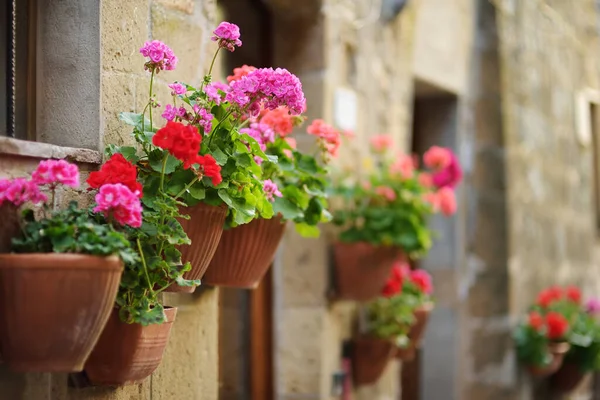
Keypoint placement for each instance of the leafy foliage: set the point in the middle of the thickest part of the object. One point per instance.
(304, 185)
(532, 346)
(369, 217)
(72, 230)
(392, 317)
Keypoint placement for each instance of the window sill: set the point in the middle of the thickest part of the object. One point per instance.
(23, 148)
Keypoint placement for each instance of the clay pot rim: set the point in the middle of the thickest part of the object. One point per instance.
(338, 242)
(170, 312)
(559, 347)
(59, 261)
(426, 307)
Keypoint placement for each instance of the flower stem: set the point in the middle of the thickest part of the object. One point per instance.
(139, 245)
(212, 64)
(162, 173)
(151, 105)
(189, 185)
(214, 131)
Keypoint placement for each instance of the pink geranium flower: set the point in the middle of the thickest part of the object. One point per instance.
(161, 56)
(386, 192)
(381, 143)
(403, 167)
(271, 190)
(267, 88)
(177, 88)
(227, 35)
(447, 201)
(329, 137)
(119, 202)
(449, 176)
(19, 191)
(425, 179)
(52, 172)
(437, 157)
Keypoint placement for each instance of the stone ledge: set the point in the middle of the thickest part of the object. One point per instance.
(25, 148)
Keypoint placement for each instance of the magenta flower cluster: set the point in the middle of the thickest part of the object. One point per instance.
(227, 35)
(53, 172)
(177, 88)
(19, 191)
(161, 56)
(269, 88)
(118, 201)
(271, 190)
(204, 118)
(262, 133)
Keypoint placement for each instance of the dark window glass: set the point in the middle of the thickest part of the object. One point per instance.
(17, 68)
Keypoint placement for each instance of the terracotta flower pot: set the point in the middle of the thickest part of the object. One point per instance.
(204, 228)
(370, 357)
(245, 253)
(416, 333)
(128, 353)
(9, 215)
(362, 269)
(406, 353)
(567, 378)
(53, 308)
(558, 352)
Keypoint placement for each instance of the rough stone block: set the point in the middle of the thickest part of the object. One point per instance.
(300, 350)
(186, 37)
(124, 31)
(189, 369)
(186, 6)
(117, 96)
(304, 265)
(488, 294)
(497, 345)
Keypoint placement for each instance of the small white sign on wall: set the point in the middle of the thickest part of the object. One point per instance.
(345, 109)
(583, 100)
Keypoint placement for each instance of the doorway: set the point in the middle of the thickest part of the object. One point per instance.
(245, 316)
(435, 123)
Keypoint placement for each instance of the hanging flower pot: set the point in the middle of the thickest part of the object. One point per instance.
(361, 269)
(128, 353)
(245, 254)
(9, 215)
(567, 378)
(557, 351)
(204, 228)
(371, 356)
(416, 333)
(53, 308)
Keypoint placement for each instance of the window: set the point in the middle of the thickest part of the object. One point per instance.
(17, 68)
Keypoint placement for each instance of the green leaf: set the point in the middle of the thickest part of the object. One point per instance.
(156, 160)
(187, 282)
(306, 230)
(219, 156)
(130, 153)
(306, 163)
(296, 196)
(287, 209)
(133, 119)
(155, 315)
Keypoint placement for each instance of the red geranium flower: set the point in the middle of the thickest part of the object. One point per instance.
(536, 321)
(116, 170)
(394, 283)
(392, 287)
(548, 296)
(574, 294)
(557, 325)
(422, 280)
(181, 141)
(210, 168)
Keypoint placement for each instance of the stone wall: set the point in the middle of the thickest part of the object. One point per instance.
(373, 61)
(190, 367)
